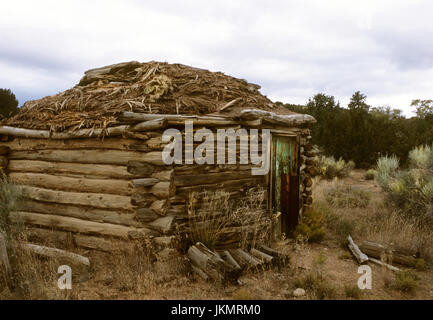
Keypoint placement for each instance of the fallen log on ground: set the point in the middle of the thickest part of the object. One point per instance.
(279, 256)
(210, 266)
(357, 253)
(73, 258)
(394, 255)
(245, 260)
(383, 264)
(262, 256)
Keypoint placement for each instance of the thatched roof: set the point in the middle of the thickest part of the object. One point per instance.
(152, 87)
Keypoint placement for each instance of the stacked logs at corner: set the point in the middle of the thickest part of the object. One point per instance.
(307, 169)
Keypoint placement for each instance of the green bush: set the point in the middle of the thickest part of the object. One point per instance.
(329, 168)
(370, 174)
(353, 291)
(311, 225)
(406, 281)
(347, 197)
(410, 189)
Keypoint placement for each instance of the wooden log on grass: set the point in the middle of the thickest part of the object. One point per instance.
(357, 253)
(395, 255)
(262, 256)
(245, 260)
(81, 240)
(57, 253)
(209, 265)
(280, 256)
(383, 264)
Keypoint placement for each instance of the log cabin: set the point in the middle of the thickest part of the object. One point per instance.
(89, 162)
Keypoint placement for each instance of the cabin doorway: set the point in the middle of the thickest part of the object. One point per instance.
(284, 184)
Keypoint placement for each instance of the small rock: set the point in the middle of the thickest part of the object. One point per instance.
(299, 292)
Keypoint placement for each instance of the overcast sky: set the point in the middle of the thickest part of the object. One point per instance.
(293, 49)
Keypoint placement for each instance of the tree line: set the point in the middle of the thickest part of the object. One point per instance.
(363, 133)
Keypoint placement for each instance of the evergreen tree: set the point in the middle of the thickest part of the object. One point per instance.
(8, 103)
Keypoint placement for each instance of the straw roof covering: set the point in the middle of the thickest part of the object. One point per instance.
(152, 87)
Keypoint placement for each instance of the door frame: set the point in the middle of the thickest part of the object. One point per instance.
(271, 174)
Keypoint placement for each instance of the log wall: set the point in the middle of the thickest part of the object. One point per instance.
(119, 187)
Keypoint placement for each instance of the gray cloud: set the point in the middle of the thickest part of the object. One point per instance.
(292, 49)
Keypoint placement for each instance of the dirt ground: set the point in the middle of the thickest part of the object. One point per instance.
(168, 276)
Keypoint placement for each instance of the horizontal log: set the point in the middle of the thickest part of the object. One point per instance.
(121, 217)
(144, 182)
(63, 255)
(116, 157)
(83, 133)
(78, 225)
(109, 186)
(397, 255)
(70, 169)
(176, 119)
(272, 117)
(150, 125)
(98, 200)
(383, 264)
(191, 180)
(80, 240)
(245, 260)
(78, 134)
(4, 149)
(275, 253)
(262, 256)
(228, 185)
(25, 144)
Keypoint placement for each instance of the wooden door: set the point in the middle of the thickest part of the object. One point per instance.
(285, 181)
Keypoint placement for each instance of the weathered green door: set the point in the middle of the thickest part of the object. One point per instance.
(285, 181)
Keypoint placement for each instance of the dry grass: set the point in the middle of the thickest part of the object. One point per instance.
(376, 221)
(325, 270)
